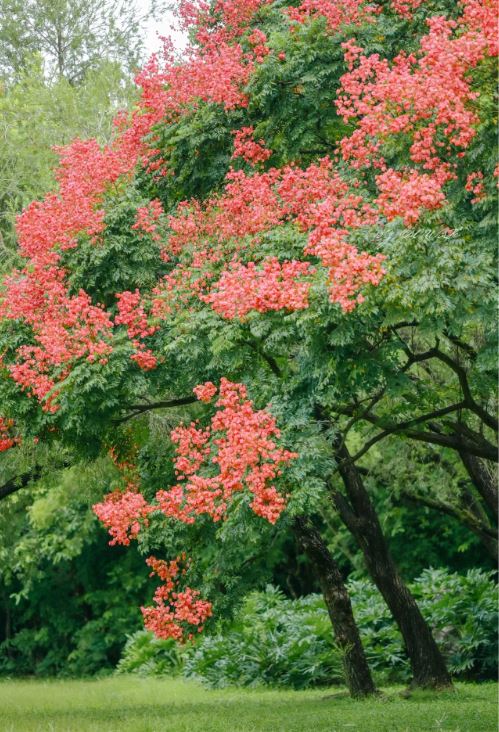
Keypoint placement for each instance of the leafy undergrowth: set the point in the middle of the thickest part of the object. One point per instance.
(150, 705)
(275, 641)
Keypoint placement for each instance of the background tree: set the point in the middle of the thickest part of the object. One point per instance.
(37, 116)
(71, 37)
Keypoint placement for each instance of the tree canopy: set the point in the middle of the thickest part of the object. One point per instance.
(283, 259)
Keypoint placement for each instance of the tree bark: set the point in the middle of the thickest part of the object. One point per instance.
(357, 674)
(358, 513)
(482, 480)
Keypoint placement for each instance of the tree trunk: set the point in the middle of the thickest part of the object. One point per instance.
(482, 479)
(360, 517)
(357, 674)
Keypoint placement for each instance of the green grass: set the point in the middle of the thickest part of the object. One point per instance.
(170, 705)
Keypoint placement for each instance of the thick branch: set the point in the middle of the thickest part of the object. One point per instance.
(478, 446)
(19, 481)
(459, 370)
(486, 533)
(402, 426)
(486, 450)
(462, 345)
(472, 405)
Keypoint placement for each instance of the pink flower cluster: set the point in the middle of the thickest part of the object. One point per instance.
(349, 270)
(474, 184)
(240, 442)
(480, 16)
(132, 314)
(316, 199)
(205, 392)
(84, 173)
(258, 41)
(424, 98)
(122, 514)
(236, 451)
(228, 20)
(66, 329)
(245, 147)
(273, 286)
(7, 440)
(175, 613)
(405, 8)
(418, 192)
(147, 218)
(336, 12)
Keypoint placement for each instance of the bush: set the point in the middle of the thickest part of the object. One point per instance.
(280, 642)
(146, 655)
(462, 609)
(273, 641)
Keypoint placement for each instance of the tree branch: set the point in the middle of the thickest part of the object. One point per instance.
(402, 426)
(166, 404)
(472, 405)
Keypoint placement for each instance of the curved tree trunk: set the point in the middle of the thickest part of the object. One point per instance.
(357, 674)
(358, 513)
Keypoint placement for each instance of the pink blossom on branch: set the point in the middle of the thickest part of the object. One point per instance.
(176, 613)
(241, 443)
(336, 12)
(205, 392)
(7, 438)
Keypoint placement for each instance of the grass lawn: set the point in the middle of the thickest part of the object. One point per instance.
(128, 703)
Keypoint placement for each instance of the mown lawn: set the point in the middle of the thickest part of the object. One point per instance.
(129, 703)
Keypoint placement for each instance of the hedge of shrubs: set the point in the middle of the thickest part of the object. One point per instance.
(281, 642)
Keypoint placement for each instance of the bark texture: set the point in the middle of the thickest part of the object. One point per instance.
(357, 674)
(358, 513)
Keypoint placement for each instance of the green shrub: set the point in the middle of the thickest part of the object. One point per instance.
(280, 642)
(272, 641)
(462, 609)
(146, 655)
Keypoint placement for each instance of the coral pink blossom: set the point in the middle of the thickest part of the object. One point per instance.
(475, 185)
(7, 439)
(405, 8)
(147, 218)
(132, 314)
(336, 13)
(407, 194)
(274, 286)
(122, 514)
(205, 392)
(240, 442)
(175, 613)
(245, 147)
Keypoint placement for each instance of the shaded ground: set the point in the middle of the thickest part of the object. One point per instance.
(123, 704)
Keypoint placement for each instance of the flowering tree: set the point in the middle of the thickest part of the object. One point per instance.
(256, 242)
